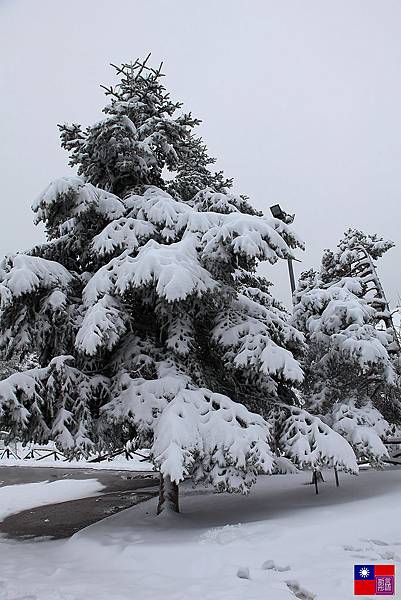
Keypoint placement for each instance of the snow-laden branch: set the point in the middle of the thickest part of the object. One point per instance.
(364, 428)
(309, 442)
(24, 274)
(102, 326)
(82, 196)
(174, 270)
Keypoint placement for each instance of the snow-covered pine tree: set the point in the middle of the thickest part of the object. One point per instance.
(352, 358)
(143, 307)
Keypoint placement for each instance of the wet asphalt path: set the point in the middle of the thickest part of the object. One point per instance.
(123, 489)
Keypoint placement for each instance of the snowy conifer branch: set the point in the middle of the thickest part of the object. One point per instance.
(308, 441)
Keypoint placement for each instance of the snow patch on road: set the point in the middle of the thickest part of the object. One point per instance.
(16, 498)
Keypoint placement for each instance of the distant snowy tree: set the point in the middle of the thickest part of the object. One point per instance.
(352, 357)
(144, 308)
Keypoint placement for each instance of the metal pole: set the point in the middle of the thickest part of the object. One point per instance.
(291, 273)
(281, 215)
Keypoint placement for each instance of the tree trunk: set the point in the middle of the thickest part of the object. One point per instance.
(336, 474)
(168, 495)
(315, 480)
(316, 477)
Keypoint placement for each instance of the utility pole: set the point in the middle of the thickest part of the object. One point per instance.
(278, 213)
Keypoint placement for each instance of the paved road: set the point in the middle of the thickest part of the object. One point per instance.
(122, 490)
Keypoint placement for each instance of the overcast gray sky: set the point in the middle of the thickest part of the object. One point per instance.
(301, 103)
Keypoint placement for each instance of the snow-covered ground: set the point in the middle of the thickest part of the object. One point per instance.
(294, 544)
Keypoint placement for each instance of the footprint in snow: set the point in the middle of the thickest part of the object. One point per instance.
(295, 588)
(390, 556)
(362, 553)
(271, 565)
(382, 543)
(243, 573)
(379, 542)
(299, 591)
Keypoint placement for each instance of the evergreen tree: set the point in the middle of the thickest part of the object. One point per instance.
(149, 322)
(352, 358)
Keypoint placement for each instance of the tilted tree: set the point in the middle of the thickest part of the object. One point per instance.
(144, 309)
(352, 358)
